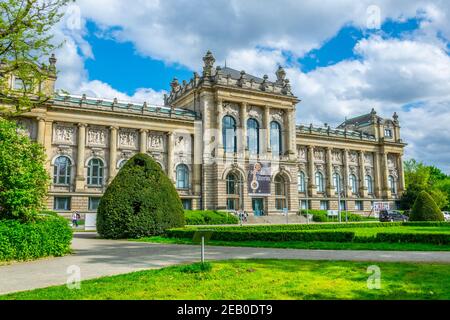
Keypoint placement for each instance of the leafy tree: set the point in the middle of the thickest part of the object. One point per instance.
(23, 177)
(425, 209)
(140, 201)
(439, 197)
(444, 186)
(24, 40)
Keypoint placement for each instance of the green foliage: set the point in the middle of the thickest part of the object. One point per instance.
(141, 201)
(23, 177)
(45, 236)
(26, 37)
(425, 209)
(433, 238)
(444, 186)
(196, 268)
(321, 216)
(439, 197)
(199, 217)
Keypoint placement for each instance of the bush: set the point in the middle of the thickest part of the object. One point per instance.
(434, 238)
(425, 209)
(46, 236)
(199, 217)
(321, 216)
(23, 177)
(280, 235)
(141, 201)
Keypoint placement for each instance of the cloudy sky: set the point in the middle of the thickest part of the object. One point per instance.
(342, 58)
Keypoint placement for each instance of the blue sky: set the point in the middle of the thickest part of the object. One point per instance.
(338, 63)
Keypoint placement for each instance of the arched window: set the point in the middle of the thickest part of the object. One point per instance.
(354, 183)
(182, 176)
(337, 182)
(62, 171)
(280, 193)
(233, 191)
(301, 182)
(95, 172)
(122, 163)
(275, 138)
(319, 182)
(369, 184)
(253, 136)
(229, 134)
(392, 185)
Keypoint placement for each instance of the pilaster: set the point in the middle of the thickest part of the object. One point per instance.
(81, 146)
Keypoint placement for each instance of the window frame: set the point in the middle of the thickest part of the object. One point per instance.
(273, 140)
(185, 179)
(68, 204)
(320, 183)
(67, 176)
(250, 138)
(226, 127)
(100, 176)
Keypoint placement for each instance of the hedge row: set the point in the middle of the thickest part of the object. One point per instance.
(199, 217)
(46, 236)
(322, 216)
(426, 224)
(225, 235)
(433, 238)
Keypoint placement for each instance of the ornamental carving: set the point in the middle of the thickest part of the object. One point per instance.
(319, 167)
(394, 173)
(368, 158)
(128, 139)
(368, 171)
(278, 116)
(156, 142)
(231, 110)
(25, 127)
(254, 112)
(302, 153)
(353, 170)
(97, 153)
(353, 156)
(336, 156)
(319, 154)
(391, 161)
(97, 136)
(64, 134)
(182, 144)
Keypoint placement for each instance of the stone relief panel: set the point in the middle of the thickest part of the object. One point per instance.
(255, 112)
(277, 115)
(27, 127)
(183, 144)
(353, 170)
(319, 167)
(368, 159)
(352, 157)
(319, 154)
(232, 109)
(156, 141)
(302, 154)
(336, 156)
(128, 139)
(392, 161)
(97, 136)
(64, 134)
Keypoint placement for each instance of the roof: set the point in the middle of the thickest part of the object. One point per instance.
(358, 120)
(235, 74)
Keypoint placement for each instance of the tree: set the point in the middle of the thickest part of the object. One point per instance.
(23, 177)
(24, 38)
(140, 201)
(425, 209)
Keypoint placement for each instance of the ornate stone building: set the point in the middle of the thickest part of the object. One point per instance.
(227, 140)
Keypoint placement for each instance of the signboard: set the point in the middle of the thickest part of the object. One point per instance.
(332, 213)
(90, 223)
(259, 175)
(378, 206)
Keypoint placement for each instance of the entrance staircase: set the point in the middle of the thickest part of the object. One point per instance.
(275, 219)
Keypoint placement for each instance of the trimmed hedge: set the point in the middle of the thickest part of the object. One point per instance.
(321, 216)
(425, 209)
(46, 236)
(141, 201)
(224, 235)
(434, 238)
(199, 217)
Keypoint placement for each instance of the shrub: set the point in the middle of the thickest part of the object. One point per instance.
(45, 236)
(321, 216)
(434, 238)
(198, 217)
(23, 177)
(425, 209)
(141, 201)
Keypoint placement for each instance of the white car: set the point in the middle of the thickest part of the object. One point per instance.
(446, 215)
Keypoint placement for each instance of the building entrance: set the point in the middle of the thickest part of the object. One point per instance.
(258, 206)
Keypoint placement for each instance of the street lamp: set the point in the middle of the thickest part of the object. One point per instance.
(338, 187)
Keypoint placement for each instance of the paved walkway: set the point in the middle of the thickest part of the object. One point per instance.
(97, 258)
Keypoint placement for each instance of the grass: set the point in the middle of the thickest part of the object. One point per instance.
(369, 232)
(262, 279)
(309, 245)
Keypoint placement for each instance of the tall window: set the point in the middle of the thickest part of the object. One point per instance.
(229, 134)
(275, 138)
(233, 191)
(392, 185)
(62, 171)
(301, 182)
(369, 184)
(95, 174)
(61, 203)
(354, 183)
(337, 181)
(319, 182)
(280, 193)
(182, 176)
(253, 136)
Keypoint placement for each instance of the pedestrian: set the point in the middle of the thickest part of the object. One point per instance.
(245, 216)
(75, 217)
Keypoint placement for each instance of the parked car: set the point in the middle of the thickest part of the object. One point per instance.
(391, 216)
(446, 215)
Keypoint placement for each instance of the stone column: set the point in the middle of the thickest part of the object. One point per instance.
(385, 170)
(362, 174)
(377, 183)
(345, 175)
(219, 137)
(329, 171)
(311, 173)
(81, 143)
(41, 131)
(143, 141)
(243, 116)
(112, 153)
(170, 155)
(291, 134)
(266, 120)
(401, 175)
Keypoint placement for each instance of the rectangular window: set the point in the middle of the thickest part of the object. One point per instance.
(232, 204)
(93, 203)
(187, 204)
(388, 133)
(61, 204)
(280, 204)
(323, 205)
(342, 205)
(359, 205)
(303, 204)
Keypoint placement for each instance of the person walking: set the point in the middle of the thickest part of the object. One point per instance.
(75, 217)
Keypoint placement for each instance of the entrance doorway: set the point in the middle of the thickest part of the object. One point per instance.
(258, 206)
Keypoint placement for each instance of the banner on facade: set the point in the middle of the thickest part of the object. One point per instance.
(259, 175)
(379, 206)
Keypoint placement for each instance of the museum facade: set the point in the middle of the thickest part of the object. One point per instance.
(227, 140)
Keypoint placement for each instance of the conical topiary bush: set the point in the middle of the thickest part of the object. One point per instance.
(425, 209)
(140, 201)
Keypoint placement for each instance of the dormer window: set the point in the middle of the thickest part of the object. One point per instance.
(388, 133)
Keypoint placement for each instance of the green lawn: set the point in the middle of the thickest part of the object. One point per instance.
(263, 279)
(309, 245)
(369, 232)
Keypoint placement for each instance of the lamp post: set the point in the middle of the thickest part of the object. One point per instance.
(307, 201)
(338, 186)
